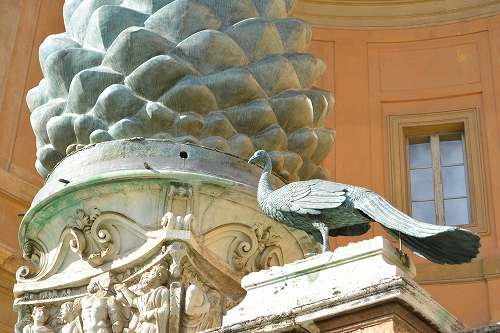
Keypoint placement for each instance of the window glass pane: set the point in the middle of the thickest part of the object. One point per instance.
(420, 155)
(422, 184)
(424, 211)
(451, 152)
(456, 211)
(454, 181)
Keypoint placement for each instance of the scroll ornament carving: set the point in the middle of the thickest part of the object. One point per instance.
(261, 253)
(34, 254)
(91, 243)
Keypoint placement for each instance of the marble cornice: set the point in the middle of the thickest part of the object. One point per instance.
(391, 14)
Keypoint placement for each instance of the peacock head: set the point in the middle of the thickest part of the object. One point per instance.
(259, 156)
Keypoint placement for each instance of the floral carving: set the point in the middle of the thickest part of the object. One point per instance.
(266, 254)
(92, 244)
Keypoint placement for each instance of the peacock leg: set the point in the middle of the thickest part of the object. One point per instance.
(323, 230)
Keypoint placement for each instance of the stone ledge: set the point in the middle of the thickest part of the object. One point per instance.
(358, 277)
(495, 328)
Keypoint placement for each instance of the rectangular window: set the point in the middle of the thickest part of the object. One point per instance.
(436, 168)
(438, 179)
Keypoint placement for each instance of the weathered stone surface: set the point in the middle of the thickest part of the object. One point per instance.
(316, 292)
(77, 25)
(48, 157)
(104, 25)
(154, 77)
(236, 57)
(326, 139)
(252, 117)
(87, 85)
(128, 128)
(329, 98)
(215, 142)
(61, 131)
(320, 105)
(187, 124)
(182, 18)
(190, 94)
(271, 139)
(275, 75)
(241, 145)
(133, 47)
(55, 43)
(211, 51)
(271, 9)
(232, 11)
(277, 159)
(290, 5)
(133, 212)
(303, 142)
(307, 170)
(37, 96)
(293, 110)
(215, 124)
(158, 117)
(69, 8)
(42, 114)
(321, 173)
(60, 68)
(295, 34)
(257, 37)
(292, 163)
(84, 125)
(233, 87)
(308, 68)
(100, 135)
(117, 102)
(145, 6)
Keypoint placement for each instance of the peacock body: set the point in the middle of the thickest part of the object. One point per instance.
(324, 208)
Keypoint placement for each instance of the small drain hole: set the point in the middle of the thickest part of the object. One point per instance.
(183, 154)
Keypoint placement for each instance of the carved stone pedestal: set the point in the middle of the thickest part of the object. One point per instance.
(363, 287)
(145, 236)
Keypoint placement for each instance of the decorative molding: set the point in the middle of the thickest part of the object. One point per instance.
(391, 14)
(90, 243)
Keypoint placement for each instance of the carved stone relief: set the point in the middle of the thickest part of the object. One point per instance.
(152, 300)
(163, 252)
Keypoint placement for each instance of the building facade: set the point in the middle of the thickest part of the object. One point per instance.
(406, 75)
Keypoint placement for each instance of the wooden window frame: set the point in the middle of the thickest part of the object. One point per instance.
(465, 120)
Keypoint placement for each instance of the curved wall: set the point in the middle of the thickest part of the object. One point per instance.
(378, 73)
(372, 73)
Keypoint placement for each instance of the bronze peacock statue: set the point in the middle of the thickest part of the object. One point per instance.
(323, 208)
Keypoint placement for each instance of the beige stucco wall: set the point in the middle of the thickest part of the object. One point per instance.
(360, 155)
(11, 11)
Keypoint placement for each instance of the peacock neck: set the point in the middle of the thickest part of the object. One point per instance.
(264, 188)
